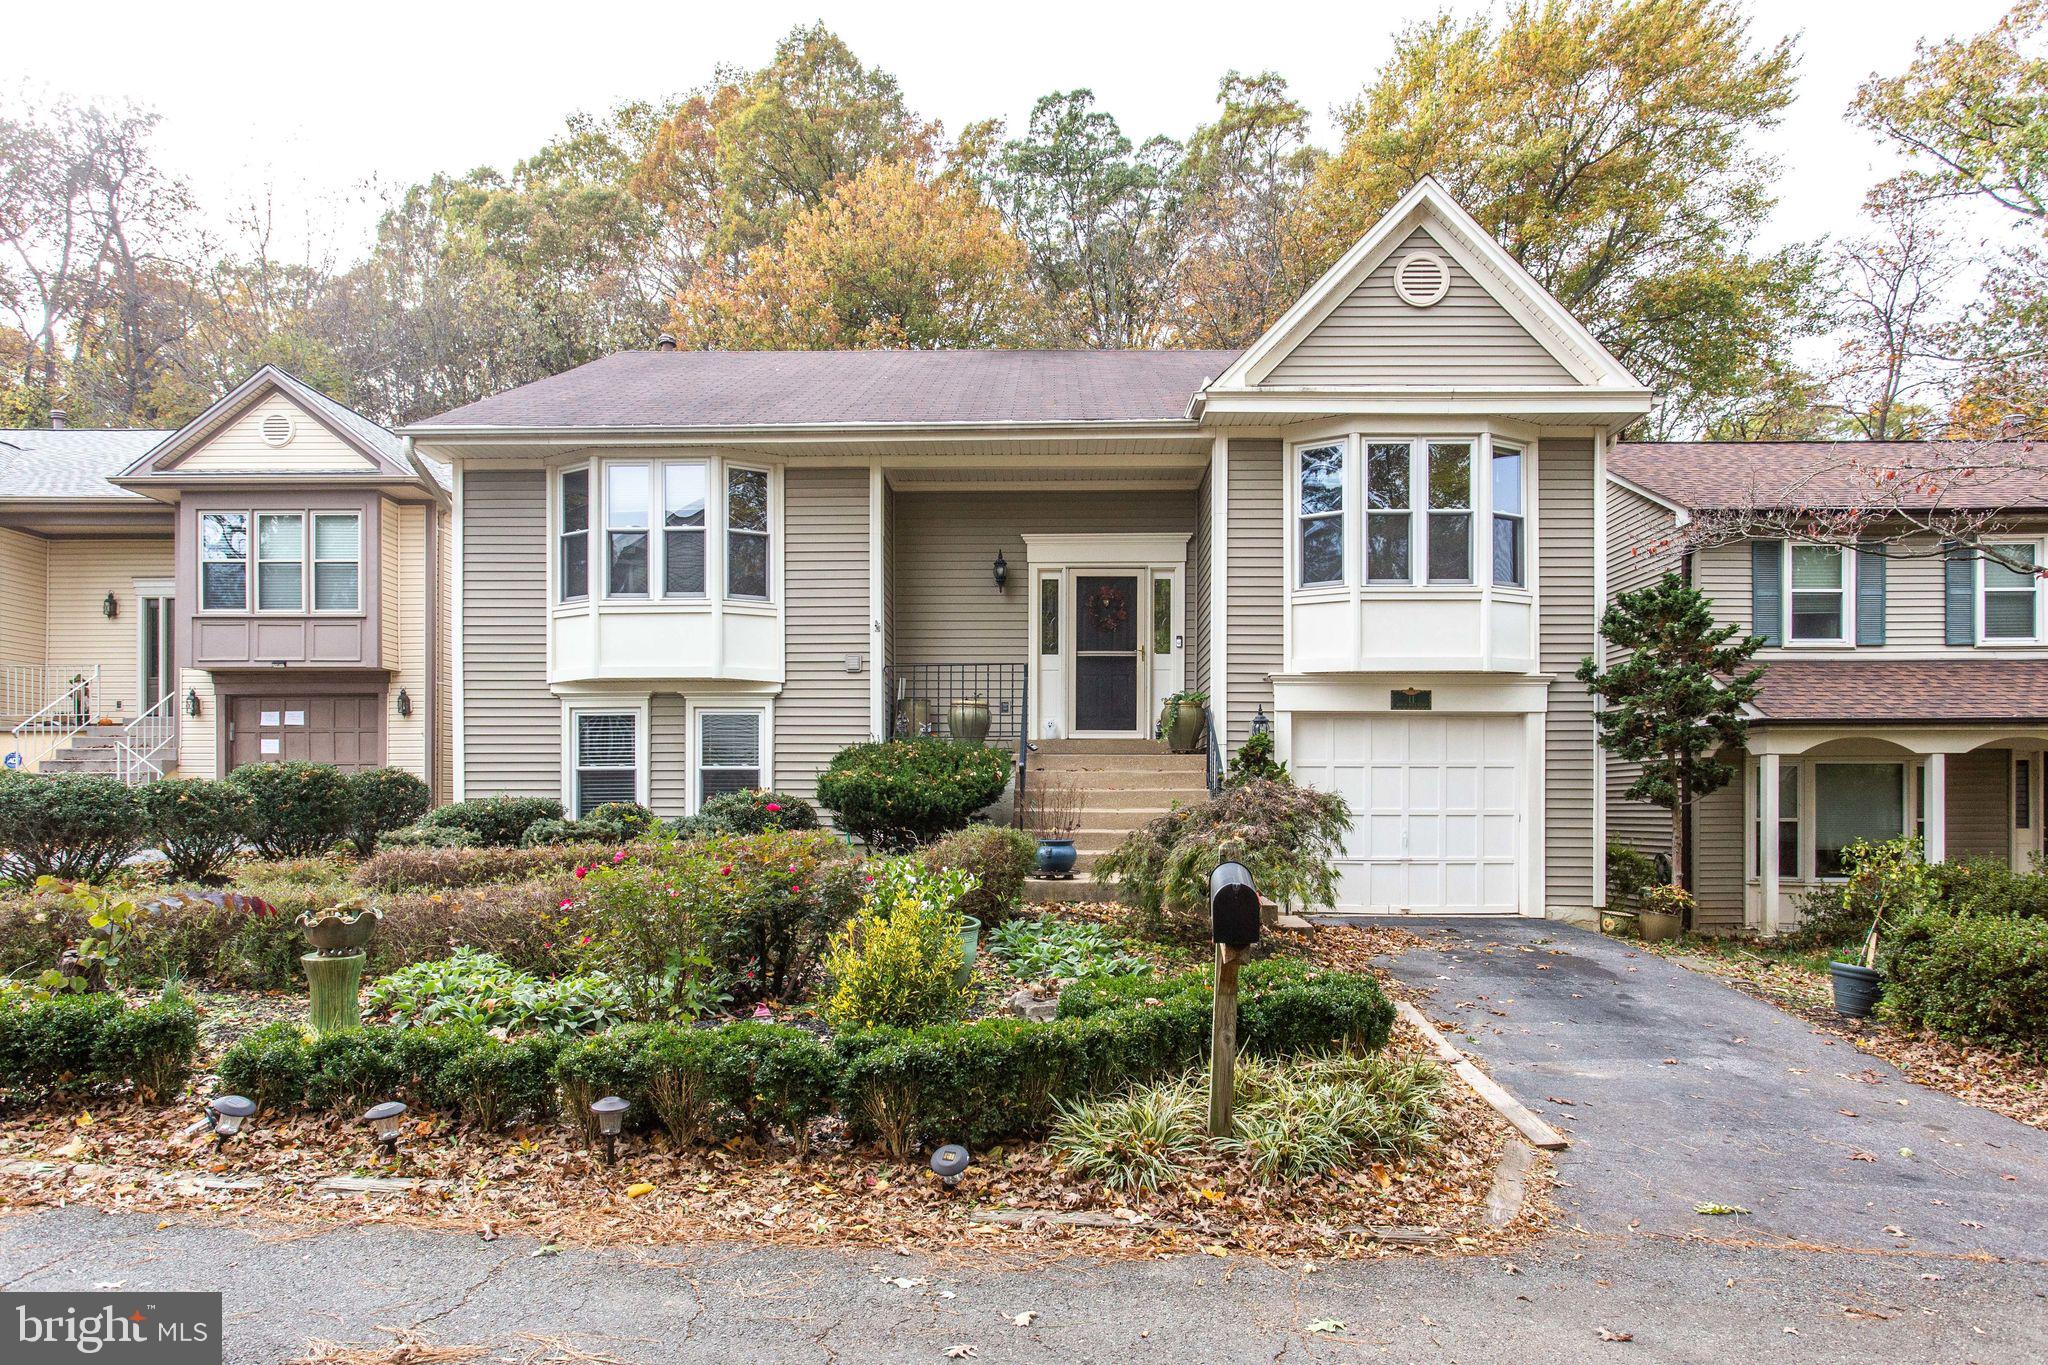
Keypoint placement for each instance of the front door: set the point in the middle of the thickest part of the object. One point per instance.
(1109, 653)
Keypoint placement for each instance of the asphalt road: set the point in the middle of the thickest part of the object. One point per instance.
(1749, 1113)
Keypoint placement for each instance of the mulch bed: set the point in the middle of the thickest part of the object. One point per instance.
(1982, 1076)
(543, 1183)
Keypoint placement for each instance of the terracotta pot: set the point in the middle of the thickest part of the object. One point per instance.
(967, 720)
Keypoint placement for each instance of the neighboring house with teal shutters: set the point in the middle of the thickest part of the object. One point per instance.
(1907, 687)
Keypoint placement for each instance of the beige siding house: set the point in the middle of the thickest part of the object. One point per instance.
(1377, 533)
(1906, 684)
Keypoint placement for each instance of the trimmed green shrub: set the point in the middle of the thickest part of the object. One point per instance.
(446, 869)
(298, 810)
(701, 1084)
(500, 821)
(1286, 836)
(196, 825)
(76, 827)
(897, 795)
(269, 1065)
(895, 962)
(430, 836)
(998, 857)
(752, 812)
(1976, 978)
(616, 822)
(1986, 886)
(551, 833)
(484, 1079)
(84, 1042)
(383, 800)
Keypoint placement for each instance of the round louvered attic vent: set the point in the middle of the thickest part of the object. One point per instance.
(277, 428)
(1422, 278)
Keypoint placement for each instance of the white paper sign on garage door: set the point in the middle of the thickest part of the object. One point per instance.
(1436, 806)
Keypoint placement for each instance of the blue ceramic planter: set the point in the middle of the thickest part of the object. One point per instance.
(1056, 857)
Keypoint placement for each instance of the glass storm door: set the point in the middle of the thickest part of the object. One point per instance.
(1109, 657)
(155, 647)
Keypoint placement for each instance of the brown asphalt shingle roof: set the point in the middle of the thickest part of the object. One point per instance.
(695, 389)
(1904, 692)
(1733, 475)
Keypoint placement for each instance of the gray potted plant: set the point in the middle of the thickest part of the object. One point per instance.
(1184, 722)
(1884, 879)
(1053, 813)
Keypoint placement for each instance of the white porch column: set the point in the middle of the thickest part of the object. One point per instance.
(1936, 846)
(1767, 843)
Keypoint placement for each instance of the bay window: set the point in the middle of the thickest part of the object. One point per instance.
(607, 759)
(1321, 515)
(683, 495)
(1507, 516)
(1820, 594)
(1450, 512)
(575, 535)
(728, 751)
(1389, 518)
(746, 533)
(223, 561)
(280, 561)
(625, 530)
(2009, 609)
(337, 561)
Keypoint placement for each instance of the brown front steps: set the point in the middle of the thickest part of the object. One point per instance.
(1123, 783)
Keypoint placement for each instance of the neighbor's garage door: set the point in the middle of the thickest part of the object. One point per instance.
(1436, 803)
(342, 730)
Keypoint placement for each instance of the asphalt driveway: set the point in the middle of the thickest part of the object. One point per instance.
(1678, 1091)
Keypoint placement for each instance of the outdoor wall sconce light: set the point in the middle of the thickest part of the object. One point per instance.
(191, 702)
(112, 606)
(404, 702)
(950, 1162)
(611, 1118)
(385, 1120)
(225, 1115)
(1001, 566)
(1261, 722)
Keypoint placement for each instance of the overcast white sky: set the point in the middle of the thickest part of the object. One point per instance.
(317, 100)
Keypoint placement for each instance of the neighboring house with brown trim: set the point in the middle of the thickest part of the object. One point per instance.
(1379, 529)
(266, 583)
(1907, 687)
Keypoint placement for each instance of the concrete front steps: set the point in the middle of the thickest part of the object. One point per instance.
(1123, 783)
(95, 749)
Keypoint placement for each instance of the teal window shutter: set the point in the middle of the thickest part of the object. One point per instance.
(1869, 595)
(1767, 590)
(1959, 593)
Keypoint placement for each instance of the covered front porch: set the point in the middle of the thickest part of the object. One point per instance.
(1965, 791)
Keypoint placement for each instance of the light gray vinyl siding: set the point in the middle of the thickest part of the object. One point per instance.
(1979, 818)
(668, 751)
(947, 607)
(823, 707)
(1201, 552)
(1914, 613)
(512, 724)
(1717, 857)
(1639, 552)
(1564, 510)
(1256, 607)
(1373, 338)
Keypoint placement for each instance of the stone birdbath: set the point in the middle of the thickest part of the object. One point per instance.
(334, 969)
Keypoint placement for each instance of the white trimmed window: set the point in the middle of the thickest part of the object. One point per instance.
(280, 561)
(626, 499)
(1450, 511)
(223, 561)
(1853, 801)
(1389, 514)
(1508, 517)
(2008, 593)
(746, 533)
(684, 502)
(607, 759)
(1788, 821)
(1320, 512)
(1818, 607)
(728, 753)
(337, 561)
(574, 566)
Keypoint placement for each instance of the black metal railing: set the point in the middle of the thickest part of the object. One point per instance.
(1212, 767)
(922, 698)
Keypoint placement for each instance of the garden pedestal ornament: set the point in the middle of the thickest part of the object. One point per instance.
(334, 969)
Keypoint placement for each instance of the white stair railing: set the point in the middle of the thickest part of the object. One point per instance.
(28, 688)
(64, 715)
(148, 745)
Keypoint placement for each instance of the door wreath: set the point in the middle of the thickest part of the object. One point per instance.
(1108, 609)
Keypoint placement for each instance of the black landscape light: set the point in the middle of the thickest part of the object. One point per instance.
(611, 1120)
(385, 1120)
(225, 1115)
(950, 1162)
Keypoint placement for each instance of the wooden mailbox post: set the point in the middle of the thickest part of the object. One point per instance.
(1234, 928)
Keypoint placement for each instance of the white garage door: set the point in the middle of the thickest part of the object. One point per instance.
(1436, 805)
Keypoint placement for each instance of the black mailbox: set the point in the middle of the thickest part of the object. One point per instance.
(1233, 906)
